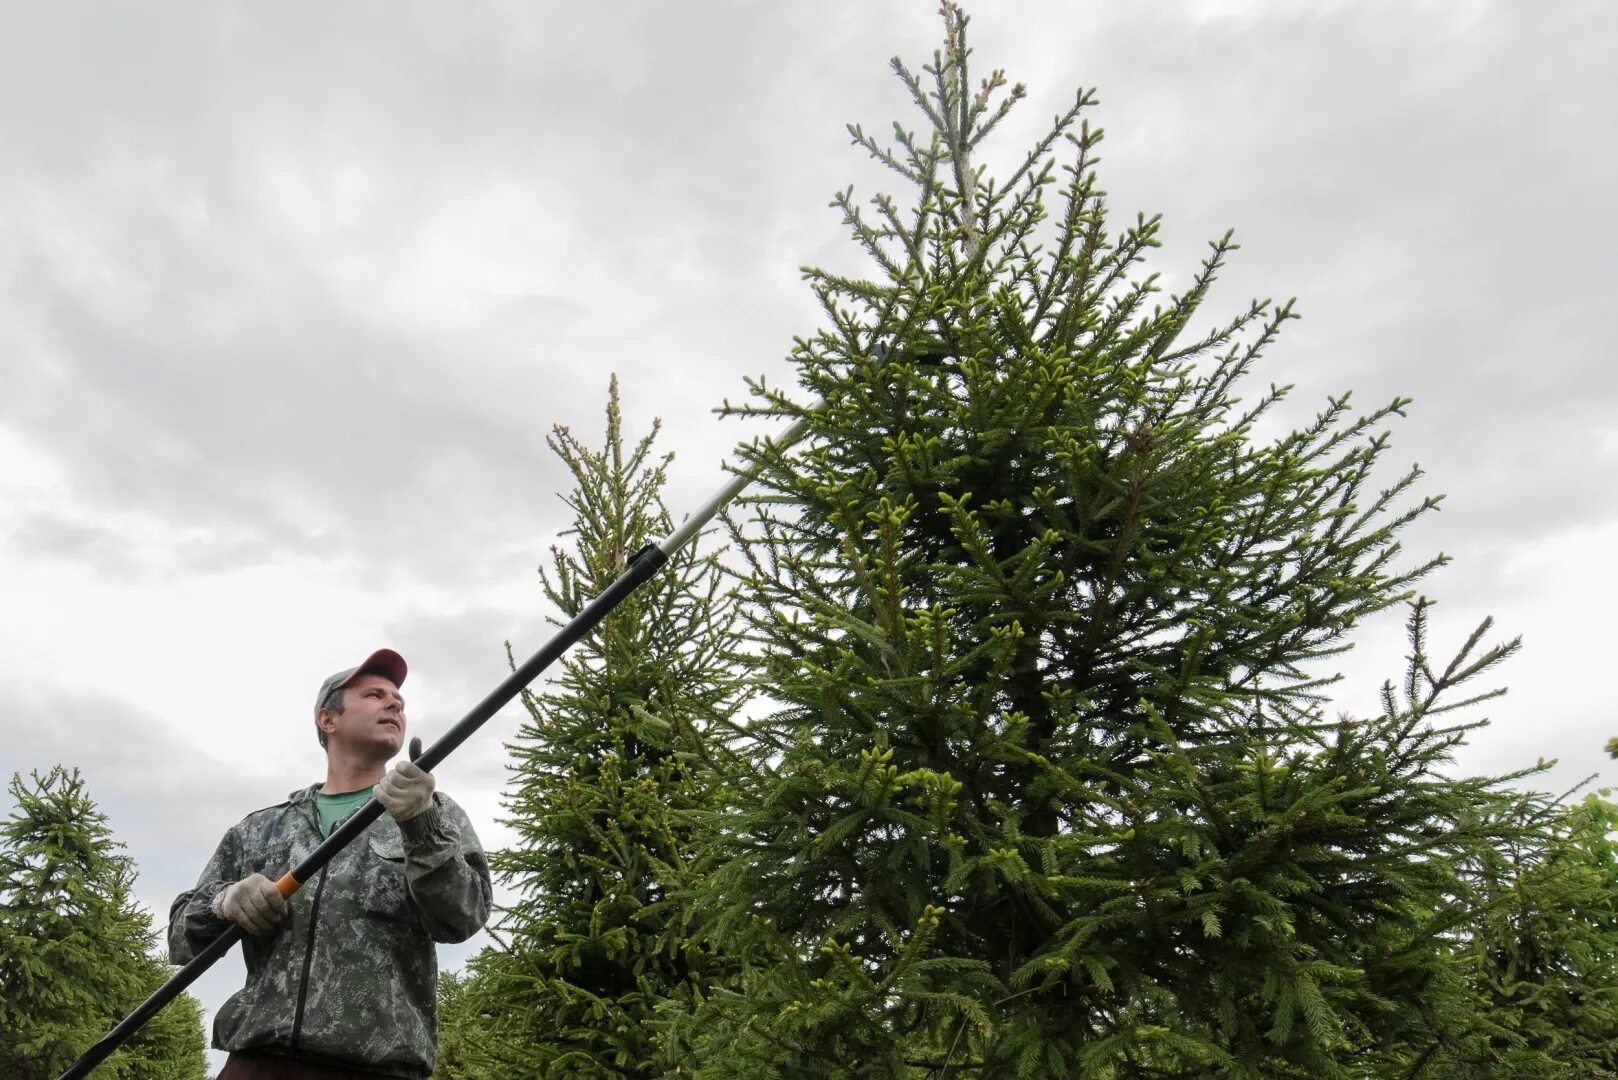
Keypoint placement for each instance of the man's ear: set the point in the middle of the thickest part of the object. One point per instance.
(326, 720)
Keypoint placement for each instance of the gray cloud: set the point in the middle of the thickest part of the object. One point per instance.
(1427, 186)
(160, 282)
(168, 798)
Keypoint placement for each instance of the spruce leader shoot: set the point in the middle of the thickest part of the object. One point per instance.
(341, 978)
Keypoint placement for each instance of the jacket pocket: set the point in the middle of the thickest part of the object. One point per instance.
(388, 845)
(385, 894)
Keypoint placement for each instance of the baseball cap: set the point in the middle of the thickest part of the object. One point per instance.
(385, 662)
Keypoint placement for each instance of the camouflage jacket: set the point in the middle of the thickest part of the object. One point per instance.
(349, 976)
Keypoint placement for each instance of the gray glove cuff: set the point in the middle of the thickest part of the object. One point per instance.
(218, 898)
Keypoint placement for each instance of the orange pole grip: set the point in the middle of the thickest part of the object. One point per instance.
(288, 885)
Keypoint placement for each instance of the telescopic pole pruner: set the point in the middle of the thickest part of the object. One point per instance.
(645, 563)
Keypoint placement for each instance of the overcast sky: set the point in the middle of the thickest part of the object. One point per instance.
(291, 294)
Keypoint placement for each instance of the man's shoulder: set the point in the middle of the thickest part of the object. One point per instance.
(269, 816)
(453, 808)
(457, 821)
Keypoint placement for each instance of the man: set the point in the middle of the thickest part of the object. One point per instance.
(341, 979)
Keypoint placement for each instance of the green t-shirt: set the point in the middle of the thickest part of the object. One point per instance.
(334, 808)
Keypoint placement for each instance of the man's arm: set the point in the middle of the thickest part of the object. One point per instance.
(193, 923)
(446, 871)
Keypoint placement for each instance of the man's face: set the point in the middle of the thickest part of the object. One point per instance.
(373, 716)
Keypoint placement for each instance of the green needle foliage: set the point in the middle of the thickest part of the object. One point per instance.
(75, 949)
(1542, 955)
(463, 1028)
(607, 771)
(1052, 784)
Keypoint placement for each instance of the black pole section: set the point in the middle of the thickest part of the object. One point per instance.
(648, 561)
(160, 997)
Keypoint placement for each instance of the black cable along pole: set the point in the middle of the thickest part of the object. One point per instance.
(645, 563)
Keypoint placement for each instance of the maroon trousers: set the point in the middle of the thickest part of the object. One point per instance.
(240, 1066)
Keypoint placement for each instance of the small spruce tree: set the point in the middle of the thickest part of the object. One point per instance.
(75, 948)
(1054, 787)
(607, 771)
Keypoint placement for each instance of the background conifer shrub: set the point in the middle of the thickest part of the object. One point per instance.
(76, 951)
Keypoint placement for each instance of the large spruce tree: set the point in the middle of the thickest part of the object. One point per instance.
(1055, 785)
(75, 948)
(606, 773)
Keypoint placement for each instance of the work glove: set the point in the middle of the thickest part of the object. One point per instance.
(253, 903)
(406, 791)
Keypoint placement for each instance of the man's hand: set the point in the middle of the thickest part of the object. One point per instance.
(253, 903)
(406, 790)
